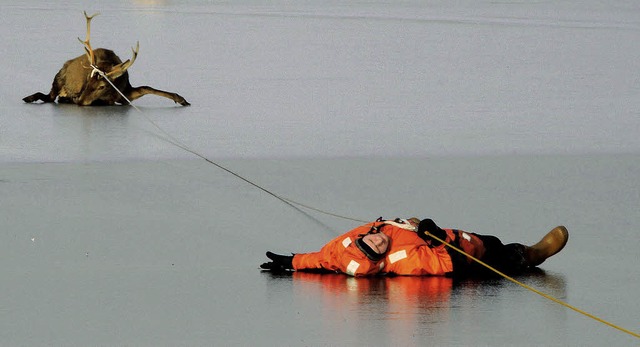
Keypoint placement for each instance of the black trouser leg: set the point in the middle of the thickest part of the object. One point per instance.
(508, 259)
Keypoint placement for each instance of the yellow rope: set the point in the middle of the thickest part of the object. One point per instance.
(535, 290)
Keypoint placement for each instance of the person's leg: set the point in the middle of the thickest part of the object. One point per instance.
(488, 249)
(515, 258)
(509, 259)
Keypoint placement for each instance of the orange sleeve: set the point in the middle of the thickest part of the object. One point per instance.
(341, 255)
(323, 259)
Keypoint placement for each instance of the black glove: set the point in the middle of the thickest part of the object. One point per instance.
(278, 262)
(429, 226)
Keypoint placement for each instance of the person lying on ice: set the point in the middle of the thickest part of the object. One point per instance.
(406, 247)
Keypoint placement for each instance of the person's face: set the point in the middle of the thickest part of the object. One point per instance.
(379, 242)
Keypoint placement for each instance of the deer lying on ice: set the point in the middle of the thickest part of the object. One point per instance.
(82, 80)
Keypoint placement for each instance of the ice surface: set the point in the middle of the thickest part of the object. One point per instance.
(505, 118)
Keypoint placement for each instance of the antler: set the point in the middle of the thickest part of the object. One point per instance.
(87, 45)
(120, 69)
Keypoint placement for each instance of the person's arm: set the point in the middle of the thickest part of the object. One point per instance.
(342, 256)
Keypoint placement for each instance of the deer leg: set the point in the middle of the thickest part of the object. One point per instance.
(137, 92)
(37, 97)
(51, 97)
(65, 100)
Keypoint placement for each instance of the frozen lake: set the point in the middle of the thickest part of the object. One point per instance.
(504, 118)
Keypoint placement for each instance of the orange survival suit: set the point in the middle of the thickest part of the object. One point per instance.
(407, 254)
